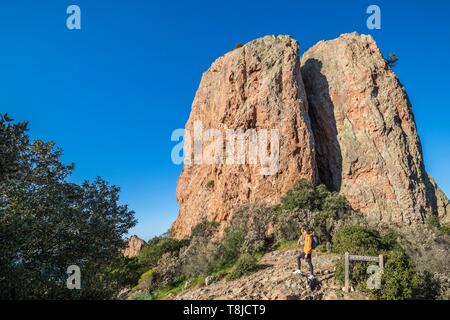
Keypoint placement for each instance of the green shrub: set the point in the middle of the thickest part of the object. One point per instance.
(145, 277)
(167, 273)
(202, 253)
(445, 228)
(323, 223)
(245, 264)
(157, 247)
(356, 239)
(285, 245)
(231, 245)
(433, 286)
(254, 222)
(288, 224)
(400, 279)
(433, 222)
(247, 233)
(204, 229)
(199, 257)
(306, 196)
(173, 261)
(145, 281)
(321, 248)
(314, 206)
(303, 196)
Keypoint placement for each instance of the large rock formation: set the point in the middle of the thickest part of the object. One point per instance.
(254, 87)
(357, 133)
(367, 142)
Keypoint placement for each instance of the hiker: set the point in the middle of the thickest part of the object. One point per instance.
(306, 254)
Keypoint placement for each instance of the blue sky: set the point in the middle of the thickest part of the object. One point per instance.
(112, 93)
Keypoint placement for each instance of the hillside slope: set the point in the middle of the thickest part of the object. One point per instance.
(275, 281)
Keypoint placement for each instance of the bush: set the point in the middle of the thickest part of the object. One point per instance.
(356, 239)
(285, 245)
(359, 240)
(433, 222)
(392, 59)
(434, 286)
(204, 229)
(400, 279)
(167, 273)
(144, 282)
(47, 223)
(245, 264)
(254, 222)
(125, 272)
(199, 257)
(157, 247)
(314, 206)
(288, 224)
(172, 261)
(303, 196)
(248, 232)
(231, 245)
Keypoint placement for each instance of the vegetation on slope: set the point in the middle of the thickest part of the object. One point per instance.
(255, 230)
(48, 223)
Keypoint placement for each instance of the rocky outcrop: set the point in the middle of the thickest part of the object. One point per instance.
(343, 118)
(367, 142)
(254, 89)
(441, 200)
(133, 247)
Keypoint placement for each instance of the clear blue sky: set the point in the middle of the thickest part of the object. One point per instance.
(111, 94)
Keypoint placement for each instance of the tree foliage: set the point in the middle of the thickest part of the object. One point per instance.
(392, 59)
(155, 248)
(48, 223)
(311, 205)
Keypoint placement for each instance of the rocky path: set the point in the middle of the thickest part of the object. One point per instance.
(275, 281)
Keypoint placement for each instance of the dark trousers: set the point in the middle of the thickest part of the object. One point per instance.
(307, 258)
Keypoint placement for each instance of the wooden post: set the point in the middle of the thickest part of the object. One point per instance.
(381, 263)
(347, 272)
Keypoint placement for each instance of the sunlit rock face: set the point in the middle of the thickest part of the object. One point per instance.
(255, 87)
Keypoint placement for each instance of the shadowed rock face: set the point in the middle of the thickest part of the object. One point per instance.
(357, 134)
(257, 86)
(442, 202)
(367, 142)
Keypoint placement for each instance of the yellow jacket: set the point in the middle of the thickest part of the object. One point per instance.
(307, 247)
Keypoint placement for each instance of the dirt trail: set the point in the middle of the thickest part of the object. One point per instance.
(275, 281)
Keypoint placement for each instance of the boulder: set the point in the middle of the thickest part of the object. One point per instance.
(134, 246)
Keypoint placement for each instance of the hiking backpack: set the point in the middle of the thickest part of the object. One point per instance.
(315, 241)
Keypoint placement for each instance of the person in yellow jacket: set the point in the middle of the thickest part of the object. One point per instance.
(307, 235)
